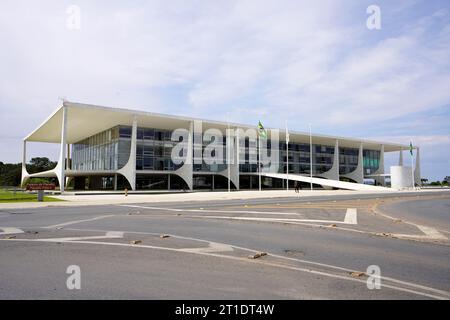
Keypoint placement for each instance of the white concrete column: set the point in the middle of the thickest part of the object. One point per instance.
(129, 169)
(233, 144)
(60, 169)
(360, 169)
(358, 174)
(25, 173)
(380, 170)
(186, 170)
(400, 157)
(236, 158)
(417, 177)
(333, 173)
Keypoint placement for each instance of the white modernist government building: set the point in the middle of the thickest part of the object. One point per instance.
(104, 148)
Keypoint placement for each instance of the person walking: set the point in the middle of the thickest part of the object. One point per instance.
(297, 187)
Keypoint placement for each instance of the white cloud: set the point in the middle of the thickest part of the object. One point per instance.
(309, 61)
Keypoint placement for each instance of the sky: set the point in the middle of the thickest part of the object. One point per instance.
(302, 61)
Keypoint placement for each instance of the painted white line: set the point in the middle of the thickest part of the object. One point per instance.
(213, 247)
(272, 264)
(429, 232)
(444, 231)
(218, 211)
(318, 264)
(275, 219)
(350, 216)
(8, 230)
(108, 235)
(75, 222)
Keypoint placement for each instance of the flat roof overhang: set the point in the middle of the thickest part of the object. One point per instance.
(85, 120)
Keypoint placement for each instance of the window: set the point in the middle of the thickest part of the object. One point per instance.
(125, 132)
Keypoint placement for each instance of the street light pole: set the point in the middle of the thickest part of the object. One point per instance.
(310, 156)
(259, 161)
(228, 157)
(287, 158)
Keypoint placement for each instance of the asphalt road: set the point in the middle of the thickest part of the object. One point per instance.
(313, 249)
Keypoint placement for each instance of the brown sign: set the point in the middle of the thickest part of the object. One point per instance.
(41, 186)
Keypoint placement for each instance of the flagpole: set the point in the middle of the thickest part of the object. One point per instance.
(287, 158)
(228, 157)
(310, 156)
(259, 161)
(412, 166)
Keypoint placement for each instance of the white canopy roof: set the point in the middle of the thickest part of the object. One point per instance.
(85, 120)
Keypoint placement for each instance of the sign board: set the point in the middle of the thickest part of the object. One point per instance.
(41, 186)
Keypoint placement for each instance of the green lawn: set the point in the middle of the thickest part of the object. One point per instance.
(8, 196)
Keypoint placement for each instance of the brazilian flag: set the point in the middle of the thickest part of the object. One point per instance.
(411, 148)
(262, 132)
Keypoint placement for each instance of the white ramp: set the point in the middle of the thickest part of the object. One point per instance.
(326, 182)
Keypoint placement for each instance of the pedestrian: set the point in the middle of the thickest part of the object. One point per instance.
(296, 187)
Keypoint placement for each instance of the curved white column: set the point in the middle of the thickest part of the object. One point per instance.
(380, 170)
(186, 170)
(234, 165)
(60, 169)
(357, 174)
(25, 175)
(129, 169)
(417, 177)
(400, 158)
(333, 173)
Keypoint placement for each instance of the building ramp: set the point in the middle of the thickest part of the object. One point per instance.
(326, 182)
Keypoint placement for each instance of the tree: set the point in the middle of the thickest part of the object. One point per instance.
(11, 173)
(40, 164)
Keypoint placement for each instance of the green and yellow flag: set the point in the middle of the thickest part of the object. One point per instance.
(262, 132)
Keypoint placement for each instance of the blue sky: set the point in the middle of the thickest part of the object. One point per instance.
(307, 62)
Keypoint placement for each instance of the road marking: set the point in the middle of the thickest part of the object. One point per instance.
(350, 216)
(75, 222)
(316, 224)
(108, 235)
(318, 264)
(7, 230)
(213, 247)
(218, 211)
(273, 219)
(444, 295)
(429, 232)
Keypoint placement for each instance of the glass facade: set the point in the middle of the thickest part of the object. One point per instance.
(110, 150)
(371, 160)
(98, 152)
(348, 160)
(199, 149)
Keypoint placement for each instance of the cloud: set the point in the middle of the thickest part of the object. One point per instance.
(271, 60)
